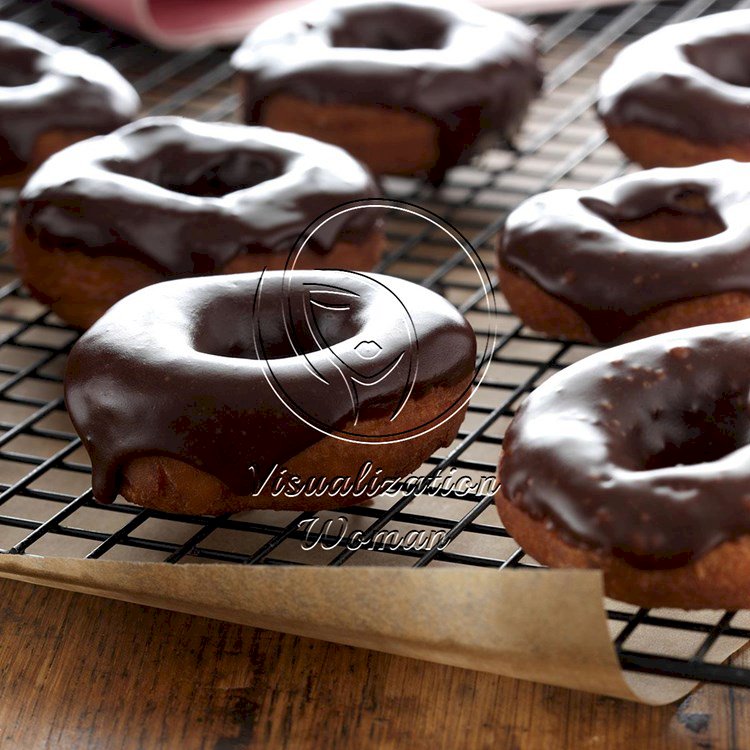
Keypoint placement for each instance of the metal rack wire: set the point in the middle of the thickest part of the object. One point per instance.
(45, 501)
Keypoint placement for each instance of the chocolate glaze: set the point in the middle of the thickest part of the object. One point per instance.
(689, 78)
(186, 197)
(641, 451)
(469, 70)
(175, 369)
(46, 87)
(568, 242)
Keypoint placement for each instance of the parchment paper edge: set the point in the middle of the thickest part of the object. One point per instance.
(546, 626)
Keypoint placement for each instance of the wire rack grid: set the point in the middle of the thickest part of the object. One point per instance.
(45, 499)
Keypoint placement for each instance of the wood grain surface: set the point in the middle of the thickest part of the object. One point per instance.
(82, 672)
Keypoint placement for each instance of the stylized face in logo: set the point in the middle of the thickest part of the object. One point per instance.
(356, 346)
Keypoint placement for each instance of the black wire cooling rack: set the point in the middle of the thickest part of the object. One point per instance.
(45, 500)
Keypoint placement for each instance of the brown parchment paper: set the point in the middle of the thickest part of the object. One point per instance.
(547, 625)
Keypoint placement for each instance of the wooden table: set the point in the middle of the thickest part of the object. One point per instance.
(82, 672)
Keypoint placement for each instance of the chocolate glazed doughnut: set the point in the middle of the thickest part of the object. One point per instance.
(52, 96)
(680, 95)
(636, 461)
(168, 197)
(647, 253)
(188, 393)
(408, 87)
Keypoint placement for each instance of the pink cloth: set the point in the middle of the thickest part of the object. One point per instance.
(193, 23)
(185, 23)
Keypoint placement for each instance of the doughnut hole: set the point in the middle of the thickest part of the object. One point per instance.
(689, 217)
(374, 28)
(23, 71)
(702, 436)
(333, 325)
(209, 175)
(726, 58)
